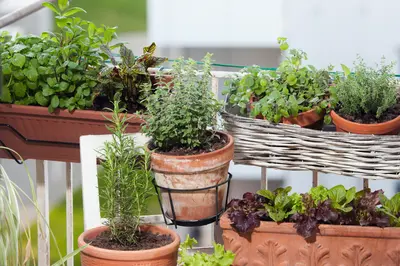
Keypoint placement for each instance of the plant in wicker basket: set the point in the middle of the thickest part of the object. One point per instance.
(286, 93)
(367, 96)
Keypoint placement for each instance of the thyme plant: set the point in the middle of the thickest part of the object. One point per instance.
(368, 90)
(183, 116)
(127, 180)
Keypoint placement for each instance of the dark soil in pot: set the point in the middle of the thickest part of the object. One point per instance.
(146, 240)
(388, 115)
(217, 142)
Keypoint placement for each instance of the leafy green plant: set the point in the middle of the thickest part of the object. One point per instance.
(292, 89)
(280, 205)
(58, 69)
(220, 257)
(183, 116)
(127, 180)
(15, 236)
(130, 77)
(367, 91)
(391, 207)
(336, 205)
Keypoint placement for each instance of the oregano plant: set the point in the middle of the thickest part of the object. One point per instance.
(183, 116)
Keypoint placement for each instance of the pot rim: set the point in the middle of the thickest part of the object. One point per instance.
(129, 255)
(199, 156)
(323, 229)
(336, 117)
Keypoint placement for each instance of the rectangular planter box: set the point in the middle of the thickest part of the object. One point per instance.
(36, 134)
(274, 244)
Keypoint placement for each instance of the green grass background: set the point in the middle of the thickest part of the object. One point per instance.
(128, 15)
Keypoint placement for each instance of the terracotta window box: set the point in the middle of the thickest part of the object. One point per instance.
(274, 244)
(35, 133)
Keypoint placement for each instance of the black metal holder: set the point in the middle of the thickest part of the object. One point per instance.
(208, 220)
(35, 141)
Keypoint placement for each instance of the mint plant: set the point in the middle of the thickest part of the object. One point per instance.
(292, 89)
(58, 69)
(367, 91)
(130, 77)
(184, 116)
(220, 257)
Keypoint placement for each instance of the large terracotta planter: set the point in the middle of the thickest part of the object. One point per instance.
(94, 256)
(274, 244)
(38, 127)
(304, 119)
(193, 172)
(391, 127)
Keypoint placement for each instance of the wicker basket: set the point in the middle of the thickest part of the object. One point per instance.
(290, 147)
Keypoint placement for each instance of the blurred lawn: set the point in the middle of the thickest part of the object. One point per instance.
(58, 225)
(128, 15)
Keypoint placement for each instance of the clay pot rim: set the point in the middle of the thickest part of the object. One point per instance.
(128, 255)
(198, 156)
(33, 110)
(336, 117)
(324, 229)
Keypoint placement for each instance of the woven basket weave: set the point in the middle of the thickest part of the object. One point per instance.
(289, 147)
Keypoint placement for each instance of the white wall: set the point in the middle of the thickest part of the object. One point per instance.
(234, 23)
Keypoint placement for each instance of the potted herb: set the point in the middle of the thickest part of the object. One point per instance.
(187, 151)
(293, 94)
(130, 77)
(334, 226)
(128, 186)
(368, 100)
(219, 257)
(49, 82)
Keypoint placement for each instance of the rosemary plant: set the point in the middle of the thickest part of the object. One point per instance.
(127, 181)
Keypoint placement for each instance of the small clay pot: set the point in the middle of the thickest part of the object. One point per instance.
(193, 172)
(94, 256)
(303, 119)
(391, 127)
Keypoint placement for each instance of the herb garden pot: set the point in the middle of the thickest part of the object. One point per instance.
(391, 127)
(309, 118)
(94, 256)
(35, 133)
(193, 172)
(274, 244)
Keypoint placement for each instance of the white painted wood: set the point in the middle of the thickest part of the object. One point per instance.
(69, 210)
(42, 190)
(264, 180)
(89, 145)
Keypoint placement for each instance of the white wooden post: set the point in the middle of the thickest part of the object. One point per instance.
(42, 190)
(69, 211)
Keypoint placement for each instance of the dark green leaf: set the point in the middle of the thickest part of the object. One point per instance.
(18, 60)
(47, 91)
(31, 73)
(19, 89)
(55, 101)
(42, 100)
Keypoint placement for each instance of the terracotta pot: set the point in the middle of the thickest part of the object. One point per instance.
(94, 256)
(303, 119)
(156, 79)
(391, 127)
(274, 244)
(193, 172)
(36, 124)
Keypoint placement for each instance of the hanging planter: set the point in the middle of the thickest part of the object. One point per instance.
(35, 133)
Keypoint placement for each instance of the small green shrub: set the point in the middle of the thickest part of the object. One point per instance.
(367, 91)
(58, 69)
(130, 77)
(127, 181)
(292, 89)
(184, 116)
